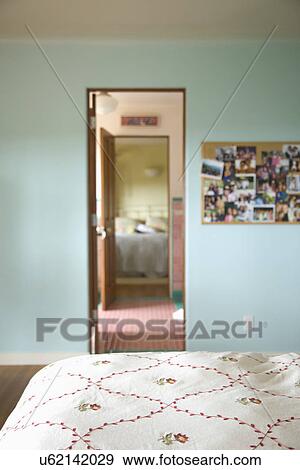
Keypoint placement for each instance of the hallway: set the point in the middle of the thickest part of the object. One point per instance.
(140, 325)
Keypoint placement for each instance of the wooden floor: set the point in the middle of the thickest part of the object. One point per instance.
(141, 287)
(135, 292)
(13, 380)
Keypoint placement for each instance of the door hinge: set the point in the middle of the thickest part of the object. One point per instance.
(94, 316)
(93, 123)
(94, 220)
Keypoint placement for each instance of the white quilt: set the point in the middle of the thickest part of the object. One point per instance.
(160, 401)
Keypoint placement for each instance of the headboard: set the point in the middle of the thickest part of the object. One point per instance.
(141, 212)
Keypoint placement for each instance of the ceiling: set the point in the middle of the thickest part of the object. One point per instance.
(131, 99)
(149, 19)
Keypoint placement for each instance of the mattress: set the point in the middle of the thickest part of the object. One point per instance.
(142, 255)
(164, 401)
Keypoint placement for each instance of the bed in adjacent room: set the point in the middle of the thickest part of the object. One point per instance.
(164, 401)
(142, 255)
(142, 247)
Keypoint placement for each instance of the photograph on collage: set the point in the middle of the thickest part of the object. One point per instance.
(293, 184)
(245, 159)
(213, 187)
(264, 214)
(226, 154)
(291, 150)
(276, 163)
(212, 169)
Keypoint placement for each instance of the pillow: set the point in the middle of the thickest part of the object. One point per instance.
(158, 223)
(125, 225)
(143, 228)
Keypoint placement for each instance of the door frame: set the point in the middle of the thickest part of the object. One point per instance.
(91, 173)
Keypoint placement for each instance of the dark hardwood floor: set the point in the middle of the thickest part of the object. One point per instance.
(13, 380)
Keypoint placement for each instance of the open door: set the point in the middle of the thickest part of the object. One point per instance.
(106, 230)
(93, 272)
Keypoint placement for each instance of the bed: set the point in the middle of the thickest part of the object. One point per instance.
(164, 401)
(142, 255)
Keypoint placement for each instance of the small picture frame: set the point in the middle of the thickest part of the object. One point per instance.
(139, 121)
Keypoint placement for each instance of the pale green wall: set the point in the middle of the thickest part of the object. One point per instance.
(231, 271)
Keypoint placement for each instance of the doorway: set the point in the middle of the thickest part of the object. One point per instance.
(142, 217)
(136, 222)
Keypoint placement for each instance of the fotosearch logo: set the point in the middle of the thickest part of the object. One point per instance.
(133, 329)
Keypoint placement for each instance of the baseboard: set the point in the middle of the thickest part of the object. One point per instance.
(9, 359)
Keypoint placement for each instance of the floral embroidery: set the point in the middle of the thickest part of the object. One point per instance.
(181, 438)
(89, 406)
(163, 381)
(228, 359)
(95, 407)
(99, 363)
(249, 400)
(169, 438)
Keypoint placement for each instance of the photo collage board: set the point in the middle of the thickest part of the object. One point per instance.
(255, 183)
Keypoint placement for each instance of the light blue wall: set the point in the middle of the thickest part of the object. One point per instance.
(231, 271)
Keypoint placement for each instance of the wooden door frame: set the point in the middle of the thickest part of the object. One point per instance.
(91, 166)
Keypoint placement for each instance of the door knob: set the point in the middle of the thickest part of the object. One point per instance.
(101, 232)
